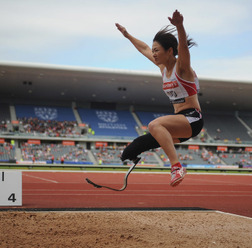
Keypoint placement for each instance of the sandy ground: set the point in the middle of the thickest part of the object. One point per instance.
(124, 229)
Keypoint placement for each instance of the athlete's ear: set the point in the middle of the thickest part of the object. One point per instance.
(170, 51)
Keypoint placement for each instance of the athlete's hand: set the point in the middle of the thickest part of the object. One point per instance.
(122, 30)
(177, 18)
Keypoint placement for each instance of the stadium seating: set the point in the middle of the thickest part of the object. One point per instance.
(115, 123)
(241, 159)
(60, 122)
(225, 126)
(246, 117)
(4, 117)
(111, 155)
(47, 113)
(7, 152)
(49, 121)
(34, 126)
(192, 157)
(146, 117)
(53, 153)
(5, 112)
(149, 158)
(107, 155)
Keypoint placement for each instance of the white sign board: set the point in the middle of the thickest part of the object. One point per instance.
(10, 188)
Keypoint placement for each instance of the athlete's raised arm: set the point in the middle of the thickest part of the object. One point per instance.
(139, 45)
(183, 60)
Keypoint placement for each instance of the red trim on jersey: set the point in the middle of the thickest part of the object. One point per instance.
(190, 87)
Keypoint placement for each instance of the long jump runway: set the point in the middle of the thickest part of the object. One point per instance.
(69, 190)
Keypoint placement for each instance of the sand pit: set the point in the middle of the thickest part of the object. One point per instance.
(124, 229)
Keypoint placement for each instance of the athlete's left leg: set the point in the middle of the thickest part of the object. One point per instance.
(166, 130)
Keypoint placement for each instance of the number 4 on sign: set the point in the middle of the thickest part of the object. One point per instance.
(12, 197)
(10, 188)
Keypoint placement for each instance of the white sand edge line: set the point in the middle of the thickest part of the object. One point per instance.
(235, 215)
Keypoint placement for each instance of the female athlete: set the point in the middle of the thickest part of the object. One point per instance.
(181, 85)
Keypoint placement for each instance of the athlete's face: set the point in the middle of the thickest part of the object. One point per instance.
(159, 54)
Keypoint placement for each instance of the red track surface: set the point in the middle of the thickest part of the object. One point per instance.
(228, 193)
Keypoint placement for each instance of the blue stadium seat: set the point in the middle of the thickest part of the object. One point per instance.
(147, 117)
(45, 112)
(109, 122)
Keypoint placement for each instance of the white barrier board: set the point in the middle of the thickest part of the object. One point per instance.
(10, 188)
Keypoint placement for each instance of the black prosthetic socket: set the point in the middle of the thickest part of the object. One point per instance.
(140, 144)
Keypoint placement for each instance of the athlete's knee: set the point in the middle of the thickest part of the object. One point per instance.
(153, 126)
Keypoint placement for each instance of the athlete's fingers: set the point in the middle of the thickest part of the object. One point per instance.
(119, 26)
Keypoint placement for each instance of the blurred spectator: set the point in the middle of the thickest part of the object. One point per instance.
(62, 160)
(45, 152)
(49, 127)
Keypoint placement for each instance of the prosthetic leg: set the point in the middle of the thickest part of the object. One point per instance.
(125, 179)
(140, 144)
(131, 152)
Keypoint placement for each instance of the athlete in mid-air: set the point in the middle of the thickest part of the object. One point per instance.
(180, 84)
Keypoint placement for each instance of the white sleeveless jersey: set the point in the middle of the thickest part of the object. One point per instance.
(177, 89)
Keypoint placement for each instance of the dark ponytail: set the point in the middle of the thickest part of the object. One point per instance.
(166, 38)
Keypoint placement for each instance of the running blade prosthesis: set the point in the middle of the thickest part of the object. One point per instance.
(135, 161)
